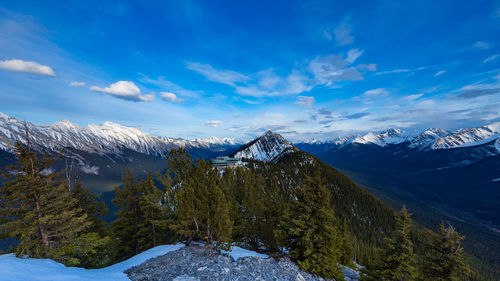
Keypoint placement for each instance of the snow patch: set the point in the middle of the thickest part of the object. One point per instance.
(13, 269)
(237, 253)
(90, 170)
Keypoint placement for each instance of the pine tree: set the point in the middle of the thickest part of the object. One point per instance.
(127, 225)
(444, 260)
(90, 204)
(397, 260)
(202, 210)
(40, 211)
(153, 228)
(346, 249)
(314, 235)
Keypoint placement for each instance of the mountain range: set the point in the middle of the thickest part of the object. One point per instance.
(441, 175)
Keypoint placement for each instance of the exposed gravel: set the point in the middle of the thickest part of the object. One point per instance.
(196, 263)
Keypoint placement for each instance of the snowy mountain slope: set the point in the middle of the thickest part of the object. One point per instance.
(469, 137)
(268, 148)
(106, 138)
(427, 138)
(432, 138)
(392, 136)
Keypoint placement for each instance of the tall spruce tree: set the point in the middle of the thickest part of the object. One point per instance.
(202, 210)
(314, 235)
(396, 260)
(39, 210)
(346, 248)
(126, 227)
(154, 227)
(444, 260)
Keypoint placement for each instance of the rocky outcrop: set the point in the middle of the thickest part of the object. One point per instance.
(200, 264)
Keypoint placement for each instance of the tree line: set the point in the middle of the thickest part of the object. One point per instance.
(275, 208)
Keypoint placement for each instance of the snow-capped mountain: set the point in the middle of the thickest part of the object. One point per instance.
(269, 147)
(432, 138)
(103, 139)
(427, 138)
(469, 137)
(392, 136)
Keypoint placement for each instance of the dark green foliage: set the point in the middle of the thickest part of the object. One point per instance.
(153, 206)
(129, 216)
(396, 260)
(444, 260)
(314, 237)
(38, 209)
(201, 208)
(141, 218)
(346, 248)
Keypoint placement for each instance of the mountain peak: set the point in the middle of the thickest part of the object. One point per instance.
(269, 147)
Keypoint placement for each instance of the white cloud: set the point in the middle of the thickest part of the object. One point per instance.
(333, 68)
(30, 67)
(490, 58)
(320, 71)
(403, 70)
(376, 92)
(481, 45)
(213, 123)
(353, 55)
(369, 67)
(343, 34)
(412, 97)
(439, 73)
(305, 101)
(171, 97)
(227, 77)
(77, 84)
(124, 90)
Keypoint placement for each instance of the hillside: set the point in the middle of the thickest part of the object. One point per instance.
(440, 175)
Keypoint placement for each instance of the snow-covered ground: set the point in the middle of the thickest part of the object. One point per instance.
(15, 269)
(237, 252)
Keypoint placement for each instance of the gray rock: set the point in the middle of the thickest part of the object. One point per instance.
(201, 264)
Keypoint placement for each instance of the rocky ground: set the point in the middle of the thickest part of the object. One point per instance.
(196, 263)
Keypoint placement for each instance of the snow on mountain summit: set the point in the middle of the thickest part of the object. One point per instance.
(469, 137)
(427, 138)
(392, 136)
(268, 148)
(106, 138)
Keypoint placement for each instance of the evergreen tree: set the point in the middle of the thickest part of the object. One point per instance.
(202, 210)
(314, 236)
(346, 249)
(126, 227)
(39, 210)
(396, 260)
(154, 227)
(90, 204)
(444, 260)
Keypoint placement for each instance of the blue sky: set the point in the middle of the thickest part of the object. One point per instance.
(306, 69)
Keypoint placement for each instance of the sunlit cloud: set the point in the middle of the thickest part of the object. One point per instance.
(171, 97)
(124, 90)
(29, 67)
